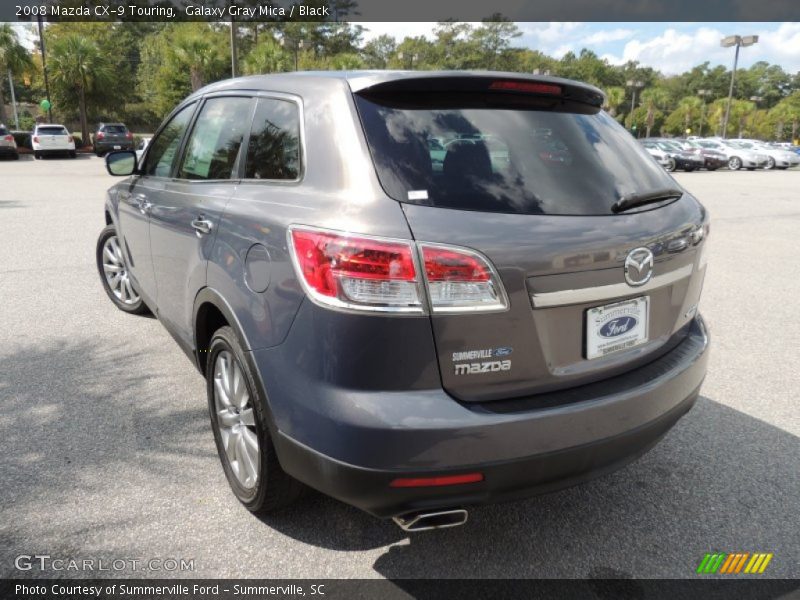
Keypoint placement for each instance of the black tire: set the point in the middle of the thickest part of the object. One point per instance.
(671, 166)
(770, 163)
(711, 168)
(73, 154)
(15, 156)
(37, 156)
(734, 163)
(274, 488)
(134, 308)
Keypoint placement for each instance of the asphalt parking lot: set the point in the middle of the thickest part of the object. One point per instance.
(107, 450)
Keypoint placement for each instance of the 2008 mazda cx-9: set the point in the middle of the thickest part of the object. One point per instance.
(414, 292)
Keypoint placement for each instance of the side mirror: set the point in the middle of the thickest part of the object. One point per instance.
(121, 163)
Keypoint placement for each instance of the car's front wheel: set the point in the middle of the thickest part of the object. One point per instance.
(114, 274)
(241, 433)
(770, 163)
(734, 163)
(671, 165)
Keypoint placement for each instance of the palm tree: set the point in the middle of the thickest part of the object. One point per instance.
(13, 57)
(615, 96)
(267, 57)
(690, 106)
(197, 51)
(653, 99)
(79, 68)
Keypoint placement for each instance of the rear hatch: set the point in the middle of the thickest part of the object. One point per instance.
(114, 134)
(529, 176)
(54, 137)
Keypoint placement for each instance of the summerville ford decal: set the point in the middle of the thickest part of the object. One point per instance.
(470, 362)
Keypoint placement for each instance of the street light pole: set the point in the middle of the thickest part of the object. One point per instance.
(44, 69)
(13, 99)
(738, 41)
(631, 83)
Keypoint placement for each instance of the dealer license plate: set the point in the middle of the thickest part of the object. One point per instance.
(616, 327)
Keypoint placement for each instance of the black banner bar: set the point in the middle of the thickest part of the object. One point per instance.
(421, 589)
(398, 10)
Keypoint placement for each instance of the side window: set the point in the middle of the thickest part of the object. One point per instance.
(214, 143)
(161, 156)
(274, 148)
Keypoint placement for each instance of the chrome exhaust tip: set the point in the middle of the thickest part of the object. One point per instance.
(424, 521)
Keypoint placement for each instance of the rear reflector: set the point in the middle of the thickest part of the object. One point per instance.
(406, 482)
(460, 280)
(358, 272)
(531, 87)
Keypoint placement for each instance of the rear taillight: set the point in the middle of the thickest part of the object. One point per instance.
(70, 139)
(129, 136)
(357, 272)
(381, 274)
(9, 138)
(460, 280)
(36, 139)
(101, 135)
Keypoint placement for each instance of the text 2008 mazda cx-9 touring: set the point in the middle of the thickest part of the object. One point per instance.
(414, 292)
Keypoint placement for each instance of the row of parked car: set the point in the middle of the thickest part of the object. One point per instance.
(55, 139)
(711, 154)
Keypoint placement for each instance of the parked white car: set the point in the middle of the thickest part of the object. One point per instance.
(140, 149)
(738, 158)
(51, 138)
(777, 158)
(661, 157)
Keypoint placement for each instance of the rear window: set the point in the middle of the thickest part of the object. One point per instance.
(3, 131)
(52, 131)
(114, 128)
(456, 153)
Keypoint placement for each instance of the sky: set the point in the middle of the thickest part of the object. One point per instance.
(669, 47)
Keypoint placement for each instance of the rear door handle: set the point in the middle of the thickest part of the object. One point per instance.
(202, 225)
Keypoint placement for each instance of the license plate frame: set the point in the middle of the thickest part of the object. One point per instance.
(616, 327)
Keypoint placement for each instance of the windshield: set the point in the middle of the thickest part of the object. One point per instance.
(52, 131)
(505, 159)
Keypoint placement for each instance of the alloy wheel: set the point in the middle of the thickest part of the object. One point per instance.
(735, 163)
(236, 420)
(116, 273)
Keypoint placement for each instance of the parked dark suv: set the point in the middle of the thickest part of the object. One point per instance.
(406, 331)
(108, 137)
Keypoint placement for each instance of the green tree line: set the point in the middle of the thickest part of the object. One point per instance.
(136, 72)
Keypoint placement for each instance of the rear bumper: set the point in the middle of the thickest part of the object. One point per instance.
(356, 443)
(110, 146)
(8, 150)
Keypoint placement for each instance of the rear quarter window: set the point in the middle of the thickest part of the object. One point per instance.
(274, 148)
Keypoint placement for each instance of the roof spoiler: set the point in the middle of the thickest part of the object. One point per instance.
(513, 86)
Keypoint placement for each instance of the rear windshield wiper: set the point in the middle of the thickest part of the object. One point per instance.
(640, 199)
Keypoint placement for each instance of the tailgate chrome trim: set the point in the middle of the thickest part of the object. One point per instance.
(607, 292)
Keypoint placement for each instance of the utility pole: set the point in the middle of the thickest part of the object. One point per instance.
(703, 94)
(13, 99)
(44, 69)
(234, 48)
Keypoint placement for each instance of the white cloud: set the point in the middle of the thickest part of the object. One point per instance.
(603, 37)
(675, 52)
(549, 33)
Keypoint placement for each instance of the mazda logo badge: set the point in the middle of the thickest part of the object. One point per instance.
(638, 266)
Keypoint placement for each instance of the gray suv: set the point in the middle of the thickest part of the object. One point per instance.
(413, 329)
